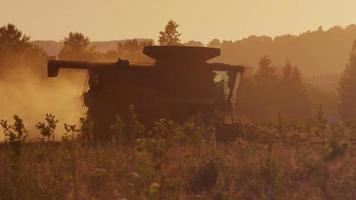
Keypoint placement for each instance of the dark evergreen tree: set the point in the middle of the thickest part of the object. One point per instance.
(347, 88)
(293, 97)
(271, 92)
(266, 71)
(170, 35)
(259, 92)
(267, 78)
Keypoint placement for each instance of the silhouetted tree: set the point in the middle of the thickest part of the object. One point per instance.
(16, 50)
(13, 40)
(266, 71)
(347, 88)
(215, 43)
(132, 50)
(259, 92)
(320, 29)
(193, 43)
(293, 98)
(170, 35)
(133, 45)
(272, 91)
(287, 71)
(315, 52)
(266, 78)
(76, 46)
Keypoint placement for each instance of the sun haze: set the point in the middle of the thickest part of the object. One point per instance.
(199, 19)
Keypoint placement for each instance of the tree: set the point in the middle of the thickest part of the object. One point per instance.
(320, 29)
(266, 71)
(133, 45)
(293, 98)
(272, 91)
(215, 43)
(347, 88)
(287, 72)
(170, 35)
(16, 50)
(14, 43)
(259, 92)
(132, 50)
(77, 47)
(13, 40)
(193, 43)
(266, 78)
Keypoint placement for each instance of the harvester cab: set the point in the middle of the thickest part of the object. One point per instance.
(180, 84)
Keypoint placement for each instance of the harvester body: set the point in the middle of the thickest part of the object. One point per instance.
(179, 85)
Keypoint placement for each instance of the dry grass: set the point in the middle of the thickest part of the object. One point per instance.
(264, 162)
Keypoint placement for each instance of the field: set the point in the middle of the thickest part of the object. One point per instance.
(263, 156)
(278, 160)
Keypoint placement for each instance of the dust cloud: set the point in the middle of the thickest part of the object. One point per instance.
(31, 95)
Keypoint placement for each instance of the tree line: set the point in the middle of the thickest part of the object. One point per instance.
(266, 91)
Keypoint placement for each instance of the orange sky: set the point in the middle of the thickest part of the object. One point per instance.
(199, 19)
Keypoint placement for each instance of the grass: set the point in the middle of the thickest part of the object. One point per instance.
(265, 161)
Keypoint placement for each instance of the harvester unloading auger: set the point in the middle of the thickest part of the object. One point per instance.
(179, 85)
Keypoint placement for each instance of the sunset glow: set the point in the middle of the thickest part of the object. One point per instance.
(199, 20)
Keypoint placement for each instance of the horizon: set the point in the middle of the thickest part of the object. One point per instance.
(113, 20)
(205, 43)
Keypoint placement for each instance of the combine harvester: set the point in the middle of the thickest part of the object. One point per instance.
(180, 84)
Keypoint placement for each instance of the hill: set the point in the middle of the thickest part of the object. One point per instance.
(316, 52)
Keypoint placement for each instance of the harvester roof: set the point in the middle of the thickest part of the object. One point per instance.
(181, 53)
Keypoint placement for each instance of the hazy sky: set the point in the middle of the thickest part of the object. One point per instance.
(198, 19)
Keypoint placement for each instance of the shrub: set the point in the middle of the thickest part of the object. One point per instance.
(47, 128)
(203, 177)
(15, 134)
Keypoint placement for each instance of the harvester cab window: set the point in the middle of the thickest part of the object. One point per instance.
(227, 83)
(235, 85)
(222, 81)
